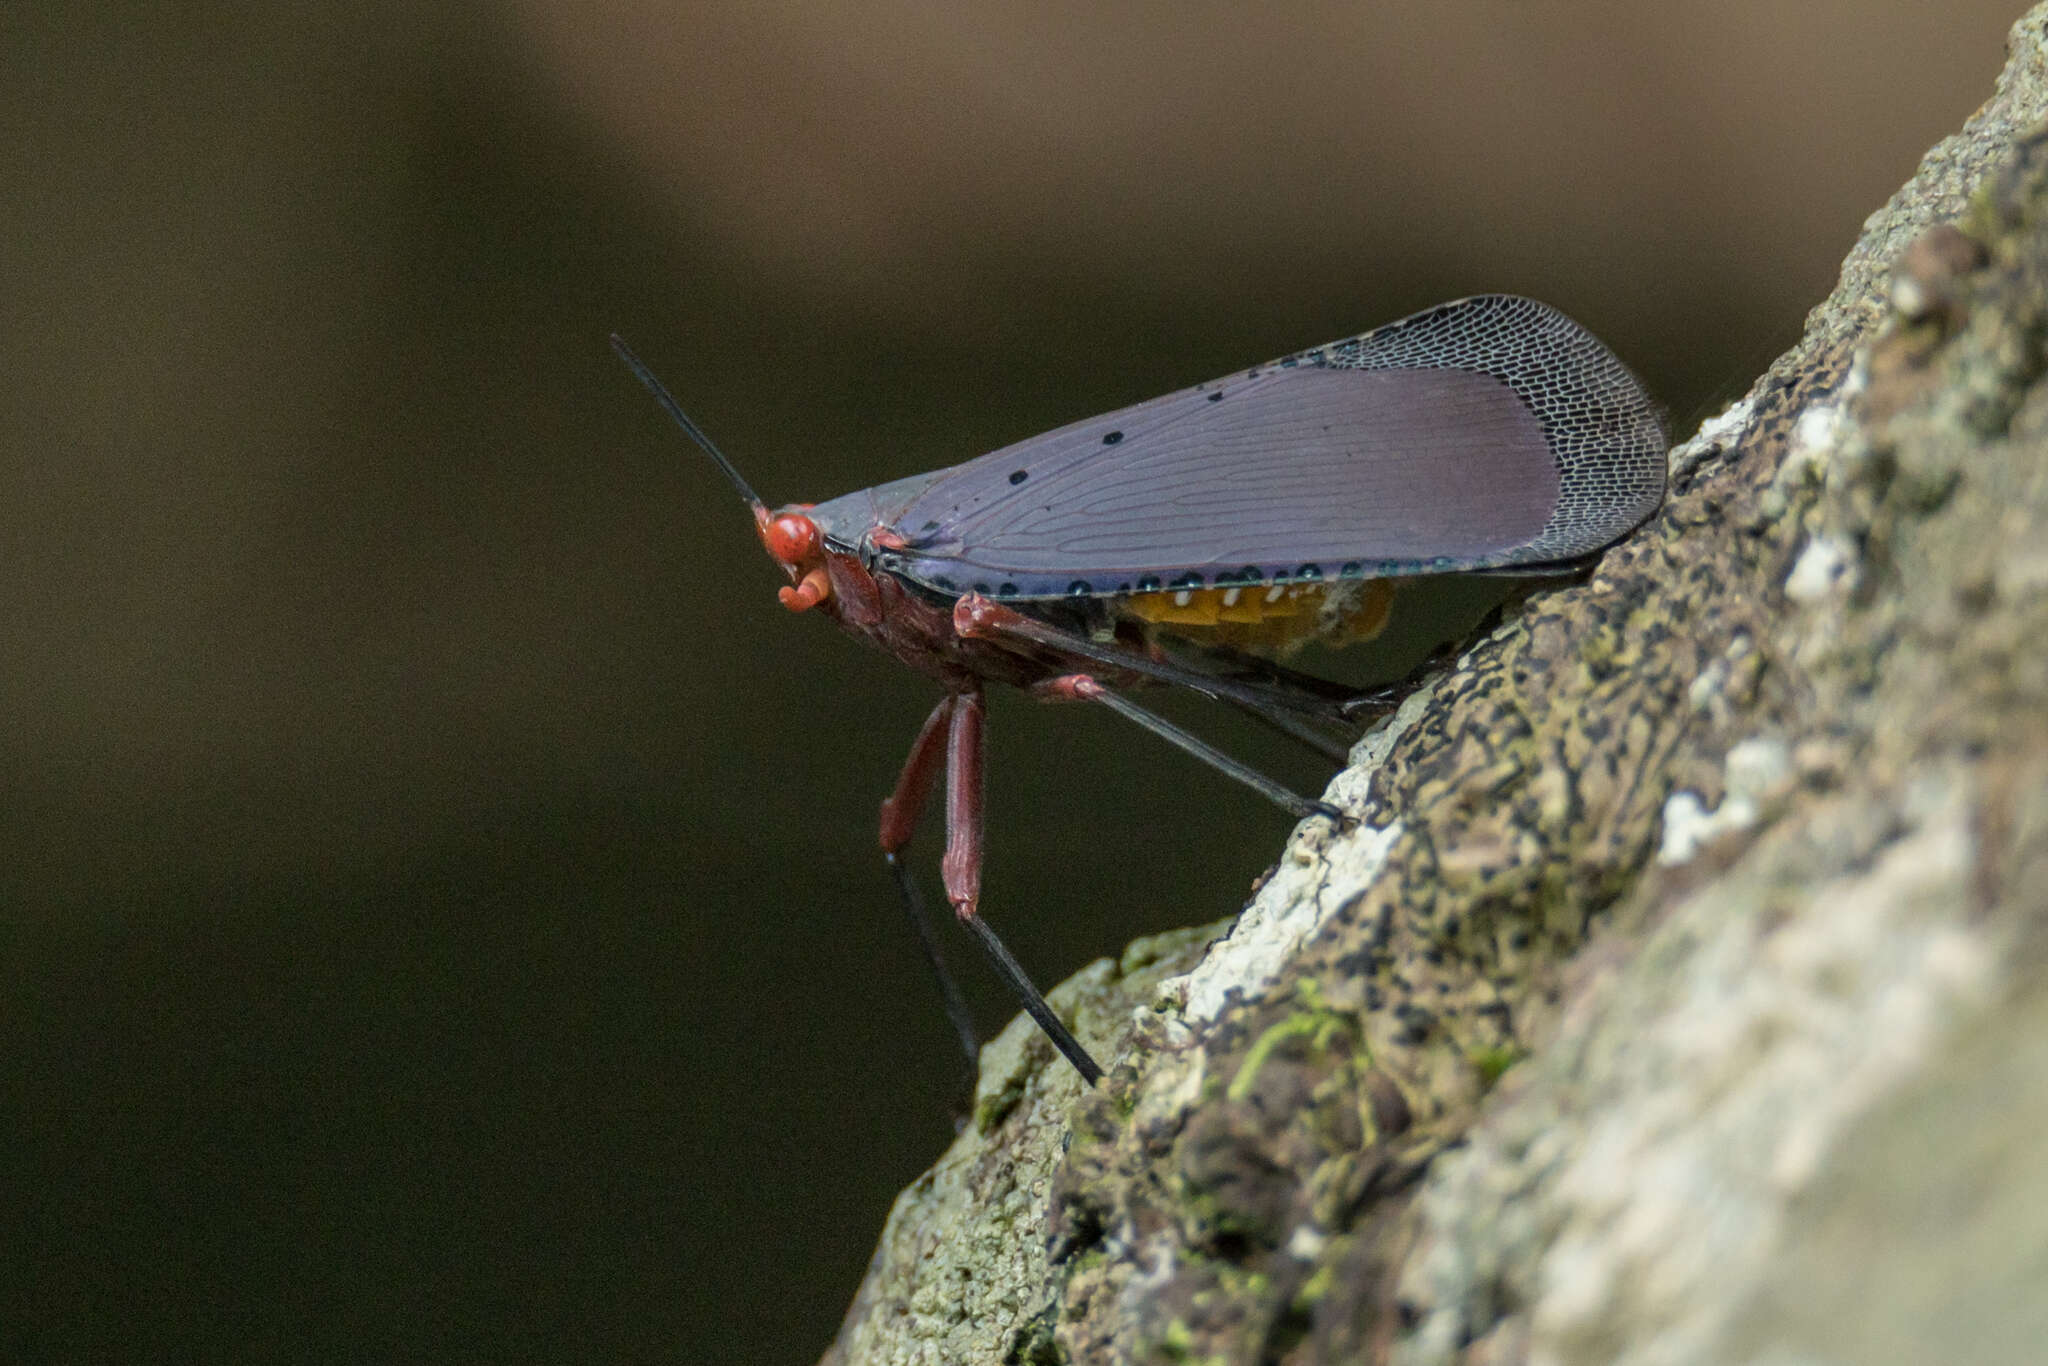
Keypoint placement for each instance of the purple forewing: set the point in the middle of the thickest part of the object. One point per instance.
(1483, 433)
(1286, 467)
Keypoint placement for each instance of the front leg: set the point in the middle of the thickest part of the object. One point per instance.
(965, 753)
(962, 870)
(900, 813)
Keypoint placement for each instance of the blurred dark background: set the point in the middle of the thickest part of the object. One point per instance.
(441, 916)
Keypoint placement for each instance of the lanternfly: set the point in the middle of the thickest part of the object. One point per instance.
(1200, 538)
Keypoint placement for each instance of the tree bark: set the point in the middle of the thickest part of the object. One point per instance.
(1681, 993)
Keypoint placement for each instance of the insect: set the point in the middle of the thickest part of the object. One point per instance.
(1200, 538)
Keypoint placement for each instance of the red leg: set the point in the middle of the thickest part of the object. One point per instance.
(900, 812)
(902, 808)
(962, 865)
(962, 869)
(1067, 688)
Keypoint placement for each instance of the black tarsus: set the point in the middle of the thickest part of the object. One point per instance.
(1294, 728)
(1294, 803)
(949, 990)
(1034, 1003)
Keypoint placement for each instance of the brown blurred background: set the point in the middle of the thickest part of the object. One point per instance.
(441, 915)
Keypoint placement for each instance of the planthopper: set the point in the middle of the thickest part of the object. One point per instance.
(1200, 538)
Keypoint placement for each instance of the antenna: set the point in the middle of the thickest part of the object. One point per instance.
(682, 419)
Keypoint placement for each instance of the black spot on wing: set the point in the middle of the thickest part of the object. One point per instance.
(1488, 431)
(1305, 465)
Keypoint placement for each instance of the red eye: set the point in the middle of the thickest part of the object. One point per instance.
(792, 538)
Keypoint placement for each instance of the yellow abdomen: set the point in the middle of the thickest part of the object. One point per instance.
(1269, 618)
